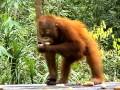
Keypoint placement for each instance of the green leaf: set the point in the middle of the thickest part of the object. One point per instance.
(3, 52)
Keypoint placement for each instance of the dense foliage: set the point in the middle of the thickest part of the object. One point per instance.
(19, 60)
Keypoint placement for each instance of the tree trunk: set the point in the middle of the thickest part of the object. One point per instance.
(38, 11)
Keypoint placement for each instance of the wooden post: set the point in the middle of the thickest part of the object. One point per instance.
(38, 11)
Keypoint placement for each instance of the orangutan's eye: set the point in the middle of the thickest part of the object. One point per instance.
(47, 31)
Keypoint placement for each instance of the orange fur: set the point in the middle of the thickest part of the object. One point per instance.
(76, 43)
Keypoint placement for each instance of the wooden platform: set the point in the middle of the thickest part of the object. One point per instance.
(108, 86)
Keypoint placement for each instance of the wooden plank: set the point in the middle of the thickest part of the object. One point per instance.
(108, 86)
(117, 88)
